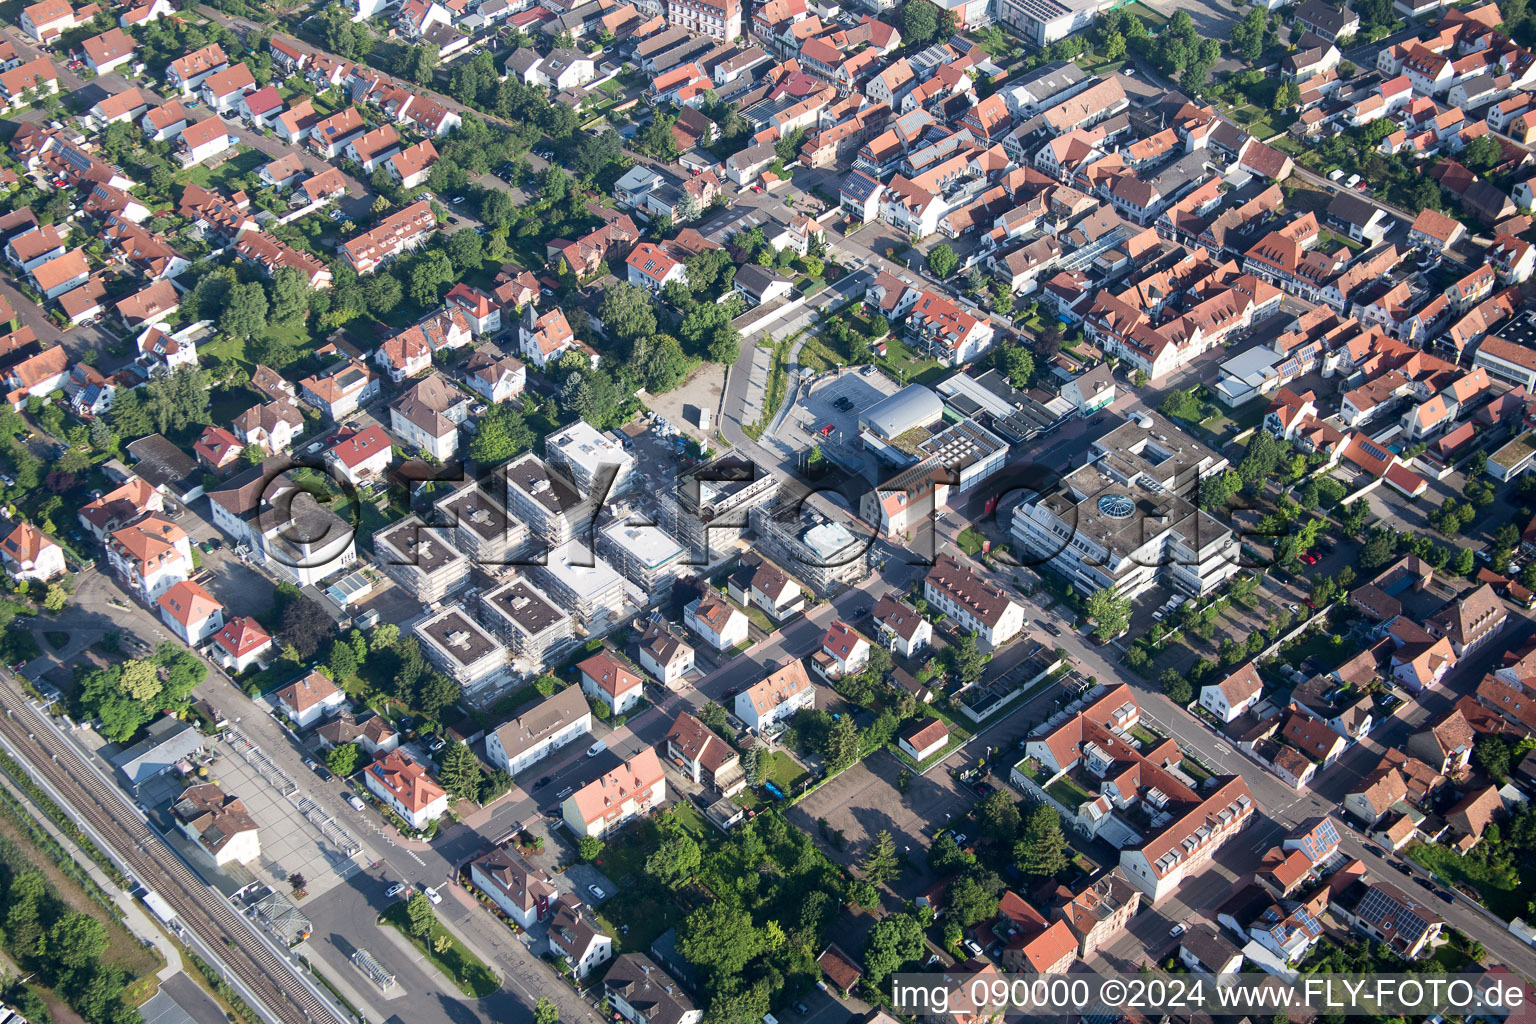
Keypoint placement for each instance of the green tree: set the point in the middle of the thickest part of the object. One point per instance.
(628, 312)
(1182, 405)
(720, 939)
(434, 691)
(343, 759)
(244, 311)
(503, 434)
(76, 940)
(942, 260)
(1042, 851)
(663, 365)
(1110, 611)
(1354, 516)
(1176, 686)
(459, 771)
(675, 860)
(1491, 753)
(141, 681)
(1482, 154)
(967, 660)
(342, 660)
(381, 294)
(466, 250)
(842, 747)
(590, 848)
(496, 209)
(288, 296)
(545, 1011)
(879, 864)
(945, 857)
(920, 21)
(973, 897)
(53, 601)
(998, 816)
(1286, 96)
(430, 276)
(897, 939)
(419, 915)
(1016, 362)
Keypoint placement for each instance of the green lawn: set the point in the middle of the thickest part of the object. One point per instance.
(816, 355)
(905, 365)
(1149, 17)
(220, 177)
(971, 542)
(1068, 793)
(784, 772)
(466, 970)
(1506, 896)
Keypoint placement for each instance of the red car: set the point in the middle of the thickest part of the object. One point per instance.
(1310, 558)
(826, 431)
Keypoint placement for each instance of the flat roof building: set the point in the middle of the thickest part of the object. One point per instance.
(646, 556)
(820, 552)
(708, 510)
(460, 648)
(580, 453)
(1103, 531)
(482, 529)
(532, 626)
(545, 500)
(421, 560)
(579, 579)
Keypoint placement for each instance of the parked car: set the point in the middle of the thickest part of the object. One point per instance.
(357, 805)
(395, 890)
(597, 748)
(1177, 930)
(597, 892)
(438, 744)
(318, 768)
(546, 780)
(1426, 883)
(973, 947)
(433, 895)
(1446, 895)
(1374, 850)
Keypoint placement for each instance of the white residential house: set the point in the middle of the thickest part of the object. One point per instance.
(30, 554)
(150, 556)
(523, 892)
(903, 630)
(309, 699)
(405, 786)
(607, 803)
(192, 613)
(218, 823)
(606, 677)
(776, 699)
(1234, 695)
(717, 620)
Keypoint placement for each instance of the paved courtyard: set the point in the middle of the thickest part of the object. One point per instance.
(312, 844)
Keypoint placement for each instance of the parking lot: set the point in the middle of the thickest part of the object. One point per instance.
(835, 400)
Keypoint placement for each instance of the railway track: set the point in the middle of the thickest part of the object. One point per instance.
(273, 981)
